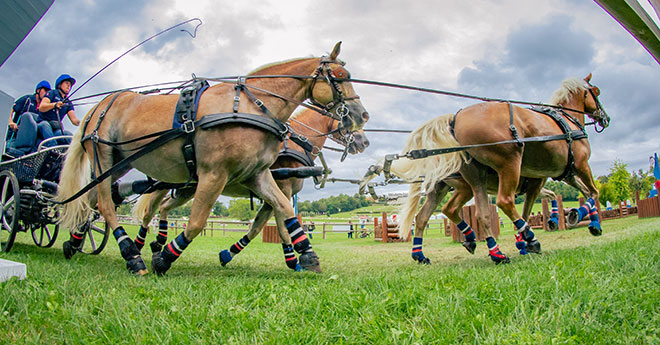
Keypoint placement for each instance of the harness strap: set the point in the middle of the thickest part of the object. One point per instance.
(512, 127)
(302, 157)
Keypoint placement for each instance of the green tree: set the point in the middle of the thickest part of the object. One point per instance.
(619, 182)
(641, 182)
(220, 210)
(240, 209)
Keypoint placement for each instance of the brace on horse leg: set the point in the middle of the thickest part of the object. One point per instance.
(433, 197)
(553, 221)
(181, 196)
(145, 209)
(263, 215)
(264, 186)
(474, 174)
(209, 187)
(585, 183)
(534, 187)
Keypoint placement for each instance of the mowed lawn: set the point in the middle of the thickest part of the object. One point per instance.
(581, 290)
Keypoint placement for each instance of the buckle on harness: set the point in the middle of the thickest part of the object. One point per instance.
(189, 126)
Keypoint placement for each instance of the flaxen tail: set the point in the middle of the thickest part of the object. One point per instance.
(141, 207)
(76, 173)
(433, 134)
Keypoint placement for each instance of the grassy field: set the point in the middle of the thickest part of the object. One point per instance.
(582, 290)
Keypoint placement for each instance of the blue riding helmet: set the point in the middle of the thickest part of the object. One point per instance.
(62, 78)
(44, 84)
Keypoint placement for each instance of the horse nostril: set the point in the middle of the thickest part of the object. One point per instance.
(366, 142)
(365, 116)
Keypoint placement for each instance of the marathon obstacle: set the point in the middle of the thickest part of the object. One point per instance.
(649, 207)
(386, 231)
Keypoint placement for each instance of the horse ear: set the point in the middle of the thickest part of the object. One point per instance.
(588, 78)
(335, 51)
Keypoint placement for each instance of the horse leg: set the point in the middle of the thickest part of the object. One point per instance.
(533, 189)
(433, 197)
(462, 194)
(127, 248)
(209, 187)
(585, 183)
(476, 176)
(154, 202)
(179, 198)
(553, 222)
(264, 186)
(509, 176)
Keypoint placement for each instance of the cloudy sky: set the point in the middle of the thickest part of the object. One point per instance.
(510, 49)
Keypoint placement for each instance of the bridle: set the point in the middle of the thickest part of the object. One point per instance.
(341, 113)
(599, 115)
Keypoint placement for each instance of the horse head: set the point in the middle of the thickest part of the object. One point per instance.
(330, 89)
(592, 105)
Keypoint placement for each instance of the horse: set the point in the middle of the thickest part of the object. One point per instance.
(504, 165)
(231, 159)
(291, 156)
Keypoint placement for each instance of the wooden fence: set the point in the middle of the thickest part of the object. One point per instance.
(649, 207)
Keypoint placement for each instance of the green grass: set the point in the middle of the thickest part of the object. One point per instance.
(582, 290)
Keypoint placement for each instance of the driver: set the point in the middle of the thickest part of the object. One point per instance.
(54, 107)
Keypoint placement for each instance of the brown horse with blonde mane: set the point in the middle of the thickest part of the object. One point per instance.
(292, 156)
(563, 153)
(230, 158)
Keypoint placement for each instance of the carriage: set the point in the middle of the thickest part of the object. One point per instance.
(27, 185)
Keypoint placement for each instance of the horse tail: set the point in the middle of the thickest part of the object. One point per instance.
(409, 209)
(435, 133)
(141, 207)
(76, 173)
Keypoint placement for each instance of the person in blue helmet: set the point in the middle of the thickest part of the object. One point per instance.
(21, 136)
(54, 107)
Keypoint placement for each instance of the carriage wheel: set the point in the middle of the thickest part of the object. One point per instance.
(45, 235)
(94, 239)
(10, 204)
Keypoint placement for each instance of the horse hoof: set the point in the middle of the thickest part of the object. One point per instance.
(136, 266)
(425, 261)
(155, 247)
(500, 258)
(470, 246)
(573, 217)
(225, 257)
(68, 250)
(159, 265)
(594, 229)
(534, 247)
(552, 224)
(310, 262)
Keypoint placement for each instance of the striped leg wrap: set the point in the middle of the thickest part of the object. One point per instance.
(494, 251)
(127, 247)
(238, 246)
(467, 231)
(593, 212)
(173, 250)
(555, 209)
(290, 257)
(298, 238)
(162, 232)
(417, 253)
(139, 239)
(76, 238)
(524, 229)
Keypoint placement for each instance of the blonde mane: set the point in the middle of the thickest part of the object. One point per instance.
(568, 87)
(264, 67)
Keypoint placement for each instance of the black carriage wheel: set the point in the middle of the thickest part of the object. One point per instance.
(95, 239)
(45, 235)
(10, 205)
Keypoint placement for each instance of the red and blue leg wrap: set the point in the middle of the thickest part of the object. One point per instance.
(173, 250)
(494, 251)
(290, 257)
(140, 238)
(300, 242)
(417, 253)
(467, 231)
